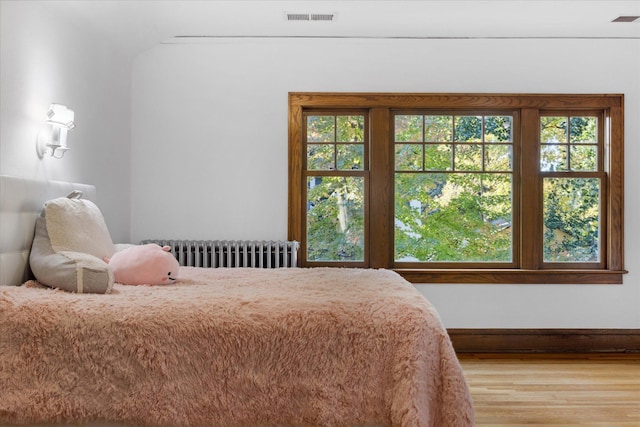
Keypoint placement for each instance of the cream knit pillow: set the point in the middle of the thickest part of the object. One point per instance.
(70, 242)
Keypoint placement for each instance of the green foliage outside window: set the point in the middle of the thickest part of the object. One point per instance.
(453, 217)
(568, 143)
(335, 204)
(571, 220)
(571, 205)
(335, 218)
(447, 208)
(453, 188)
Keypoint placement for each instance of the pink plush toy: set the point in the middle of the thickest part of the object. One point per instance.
(148, 264)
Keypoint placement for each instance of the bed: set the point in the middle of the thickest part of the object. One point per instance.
(225, 347)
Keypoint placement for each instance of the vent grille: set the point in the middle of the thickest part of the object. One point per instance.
(325, 17)
(627, 19)
(322, 17)
(298, 17)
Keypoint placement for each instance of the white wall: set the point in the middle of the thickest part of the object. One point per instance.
(46, 58)
(209, 144)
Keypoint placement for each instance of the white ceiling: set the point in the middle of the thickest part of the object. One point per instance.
(136, 25)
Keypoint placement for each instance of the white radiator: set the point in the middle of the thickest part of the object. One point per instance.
(232, 253)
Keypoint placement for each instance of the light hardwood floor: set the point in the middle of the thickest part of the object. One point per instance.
(554, 390)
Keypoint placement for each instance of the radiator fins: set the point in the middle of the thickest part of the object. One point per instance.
(232, 253)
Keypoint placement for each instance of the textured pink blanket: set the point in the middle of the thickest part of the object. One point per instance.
(232, 347)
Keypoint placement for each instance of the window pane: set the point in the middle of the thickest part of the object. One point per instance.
(497, 157)
(468, 128)
(438, 157)
(320, 156)
(453, 217)
(350, 156)
(468, 157)
(335, 218)
(583, 130)
(320, 129)
(438, 128)
(584, 157)
(553, 129)
(350, 128)
(408, 128)
(553, 158)
(498, 129)
(408, 157)
(571, 220)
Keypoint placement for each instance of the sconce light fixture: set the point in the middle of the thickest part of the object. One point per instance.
(55, 140)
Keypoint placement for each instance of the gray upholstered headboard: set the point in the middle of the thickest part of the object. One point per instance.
(21, 200)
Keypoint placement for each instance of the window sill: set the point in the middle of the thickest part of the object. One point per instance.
(510, 276)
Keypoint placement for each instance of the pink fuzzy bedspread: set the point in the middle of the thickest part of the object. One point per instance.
(228, 347)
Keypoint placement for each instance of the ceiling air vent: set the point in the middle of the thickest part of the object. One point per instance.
(326, 17)
(627, 19)
(322, 16)
(297, 16)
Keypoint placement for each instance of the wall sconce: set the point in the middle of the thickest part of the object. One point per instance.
(55, 141)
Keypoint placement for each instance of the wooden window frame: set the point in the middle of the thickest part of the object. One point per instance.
(600, 173)
(358, 173)
(380, 204)
(404, 265)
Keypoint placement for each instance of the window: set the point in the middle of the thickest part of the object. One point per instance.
(335, 168)
(453, 188)
(573, 181)
(459, 188)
